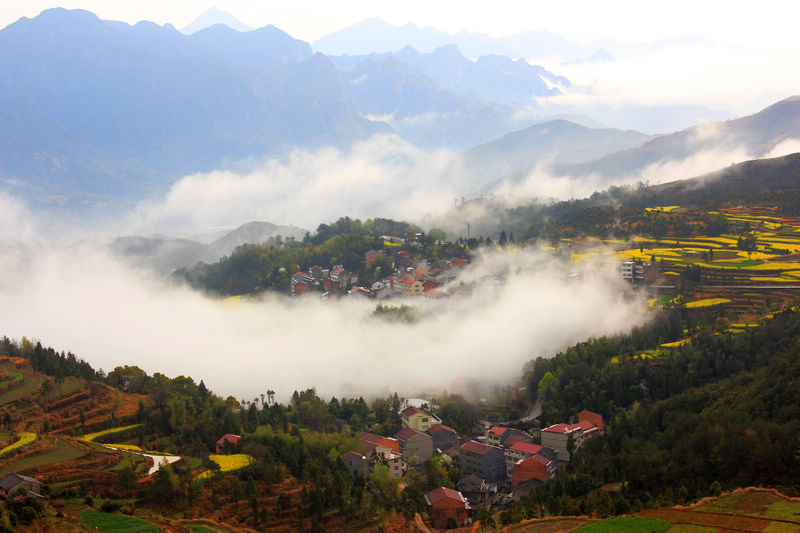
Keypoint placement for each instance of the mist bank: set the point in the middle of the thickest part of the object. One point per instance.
(521, 306)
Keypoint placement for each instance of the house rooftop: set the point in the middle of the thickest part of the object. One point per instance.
(411, 411)
(370, 438)
(409, 433)
(563, 428)
(585, 425)
(498, 430)
(436, 428)
(527, 447)
(12, 480)
(353, 453)
(477, 447)
(443, 493)
(389, 443)
(228, 437)
(511, 440)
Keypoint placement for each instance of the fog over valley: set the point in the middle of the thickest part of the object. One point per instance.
(523, 305)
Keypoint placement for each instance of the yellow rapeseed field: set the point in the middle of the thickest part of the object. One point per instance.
(227, 463)
(708, 302)
(92, 436)
(24, 438)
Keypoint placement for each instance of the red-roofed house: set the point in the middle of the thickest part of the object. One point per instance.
(411, 287)
(513, 439)
(355, 462)
(369, 441)
(419, 419)
(520, 450)
(457, 262)
(557, 436)
(594, 418)
(534, 467)
(494, 435)
(443, 436)
(483, 460)
(415, 443)
(228, 438)
(389, 444)
(446, 503)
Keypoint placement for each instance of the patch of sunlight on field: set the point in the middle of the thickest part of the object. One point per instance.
(773, 279)
(708, 302)
(663, 208)
(25, 438)
(228, 463)
(92, 436)
(676, 344)
(773, 265)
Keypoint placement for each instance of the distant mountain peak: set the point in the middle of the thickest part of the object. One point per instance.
(213, 16)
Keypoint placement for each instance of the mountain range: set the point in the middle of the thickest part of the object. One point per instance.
(165, 254)
(755, 135)
(98, 111)
(376, 35)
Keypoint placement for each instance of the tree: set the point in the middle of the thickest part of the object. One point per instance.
(126, 481)
(747, 244)
(502, 240)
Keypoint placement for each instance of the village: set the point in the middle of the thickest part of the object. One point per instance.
(409, 277)
(501, 464)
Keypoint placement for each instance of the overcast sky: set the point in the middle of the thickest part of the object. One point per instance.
(747, 23)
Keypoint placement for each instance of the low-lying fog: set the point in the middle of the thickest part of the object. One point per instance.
(79, 298)
(82, 300)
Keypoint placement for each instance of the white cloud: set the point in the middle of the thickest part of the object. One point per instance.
(382, 176)
(80, 299)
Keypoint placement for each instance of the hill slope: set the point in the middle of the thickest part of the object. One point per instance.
(756, 134)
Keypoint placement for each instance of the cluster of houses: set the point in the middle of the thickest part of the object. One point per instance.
(501, 466)
(409, 277)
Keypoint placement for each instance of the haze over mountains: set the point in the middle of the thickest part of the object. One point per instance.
(102, 115)
(377, 35)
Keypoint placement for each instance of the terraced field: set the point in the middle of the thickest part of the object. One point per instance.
(59, 450)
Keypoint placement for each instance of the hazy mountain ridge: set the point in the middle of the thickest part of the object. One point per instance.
(490, 78)
(758, 134)
(122, 111)
(383, 37)
(546, 143)
(211, 17)
(165, 254)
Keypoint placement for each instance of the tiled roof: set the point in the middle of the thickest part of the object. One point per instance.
(558, 428)
(585, 425)
(390, 443)
(408, 434)
(498, 430)
(228, 437)
(476, 447)
(526, 447)
(436, 428)
(541, 459)
(511, 440)
(409, 411)
(443, 493)
(370, 438)
(353, 453)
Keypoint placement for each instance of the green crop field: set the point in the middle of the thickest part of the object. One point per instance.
(63, 451)
(29, 385)
(116, 523)
(15, 376)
